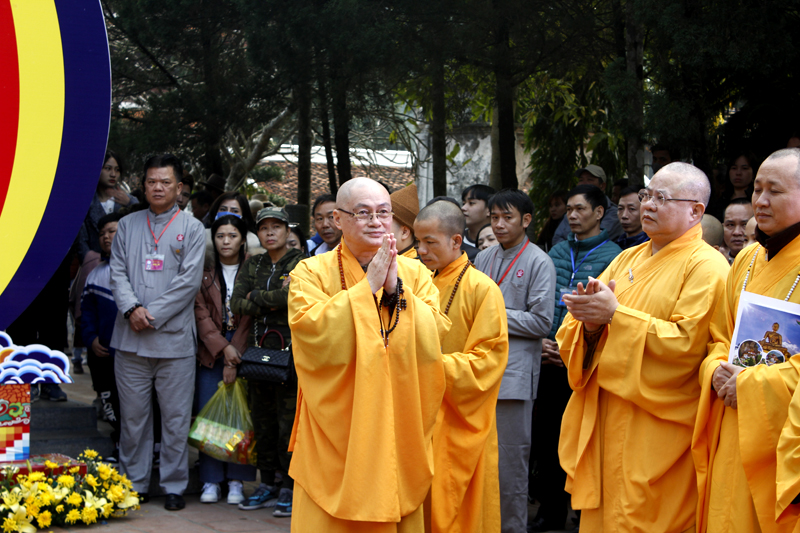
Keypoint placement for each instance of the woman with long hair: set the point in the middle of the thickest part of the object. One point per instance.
(223, 338)
(236, 203)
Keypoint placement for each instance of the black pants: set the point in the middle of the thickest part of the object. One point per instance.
(548, 485)
(105, 384)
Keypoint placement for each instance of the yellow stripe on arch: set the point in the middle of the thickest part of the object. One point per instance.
(41, 120)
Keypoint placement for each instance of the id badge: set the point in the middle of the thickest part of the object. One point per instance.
(563, 290)
(154, 262)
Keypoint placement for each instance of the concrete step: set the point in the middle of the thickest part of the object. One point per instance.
(47, 415)
(68, 442)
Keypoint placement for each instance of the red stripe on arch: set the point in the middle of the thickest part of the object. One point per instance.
(9, 97)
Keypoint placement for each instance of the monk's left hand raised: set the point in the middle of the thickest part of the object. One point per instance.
(593, 305)
(390, 285)
(728, 391)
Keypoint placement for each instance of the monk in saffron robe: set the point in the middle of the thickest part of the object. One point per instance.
(367, 333)
(405, 205)
(465, 496)
(747, 451)
(632, 343)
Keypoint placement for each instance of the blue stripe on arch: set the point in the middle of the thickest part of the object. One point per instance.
(87, 116)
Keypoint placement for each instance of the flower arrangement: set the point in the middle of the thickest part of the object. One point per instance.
(63, 495)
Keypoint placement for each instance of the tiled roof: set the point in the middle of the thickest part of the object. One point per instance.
(394, 178)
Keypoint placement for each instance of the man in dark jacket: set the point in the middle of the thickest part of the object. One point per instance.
(586, 252)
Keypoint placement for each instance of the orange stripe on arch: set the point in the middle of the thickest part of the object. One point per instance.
(41, 103)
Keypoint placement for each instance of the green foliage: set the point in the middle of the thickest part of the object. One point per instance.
(567, 126)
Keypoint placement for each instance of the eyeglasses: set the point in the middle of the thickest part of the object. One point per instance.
(658, 198)
(365, 215)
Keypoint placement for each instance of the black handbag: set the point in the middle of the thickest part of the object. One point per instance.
(263, 364)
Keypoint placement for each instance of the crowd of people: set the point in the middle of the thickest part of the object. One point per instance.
(452, 366)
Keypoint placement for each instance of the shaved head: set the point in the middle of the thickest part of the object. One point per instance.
(712, 231)
(449, 217)
(354, 189)
(794, 153)
(689, 180)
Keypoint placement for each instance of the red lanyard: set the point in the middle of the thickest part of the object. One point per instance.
(527, 242)
(162, 231)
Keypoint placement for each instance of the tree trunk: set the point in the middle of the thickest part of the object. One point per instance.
(494, 172)
(506, 136)
(634, 49)
(213, 128)
(326, 129)
(438, 138)
(305, 140)
(341, 128)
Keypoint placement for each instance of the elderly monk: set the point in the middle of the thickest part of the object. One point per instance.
(747, 467)
(465, 495)
(632, 343)
(367, 333)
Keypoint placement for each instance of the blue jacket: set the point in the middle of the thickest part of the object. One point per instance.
(626, 242)
(98, 308)
(593, 266)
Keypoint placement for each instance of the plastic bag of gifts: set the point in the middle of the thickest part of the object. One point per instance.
(224, 429)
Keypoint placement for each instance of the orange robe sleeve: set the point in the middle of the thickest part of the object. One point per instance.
(365, 416)
(465, 495)
(626, 432)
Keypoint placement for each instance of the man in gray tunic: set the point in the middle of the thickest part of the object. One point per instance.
(527, 279)
(156, 267)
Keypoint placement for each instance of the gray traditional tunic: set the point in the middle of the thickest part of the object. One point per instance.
(167, 294)
(528, 291)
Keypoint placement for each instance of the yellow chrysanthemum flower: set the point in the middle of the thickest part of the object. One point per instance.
(89, 515)
(66, 481)
(44, 519)
(50, 465)
(74, 499)
(91, 454)
(74, 470)
(104, 471)
(9, 525)
(108, 509)
(115, 477)
(116, 493)
(91, 480)
(33, 510)
(73, 516)
(59, 509)
(36, 476)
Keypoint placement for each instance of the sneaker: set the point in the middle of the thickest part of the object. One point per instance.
(211, 493)
(52, 392)
(77, 367)
(284, 505)
(264, 496)
(235, 496)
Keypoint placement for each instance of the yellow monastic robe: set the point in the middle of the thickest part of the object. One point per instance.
(411, 253)
(627, 429)
(362, 436)
(465, 496)
(735, 450)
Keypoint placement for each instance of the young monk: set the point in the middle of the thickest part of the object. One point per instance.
(367, 335)
(465, 495)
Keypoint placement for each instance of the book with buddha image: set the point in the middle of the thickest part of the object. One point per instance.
(767, 331)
